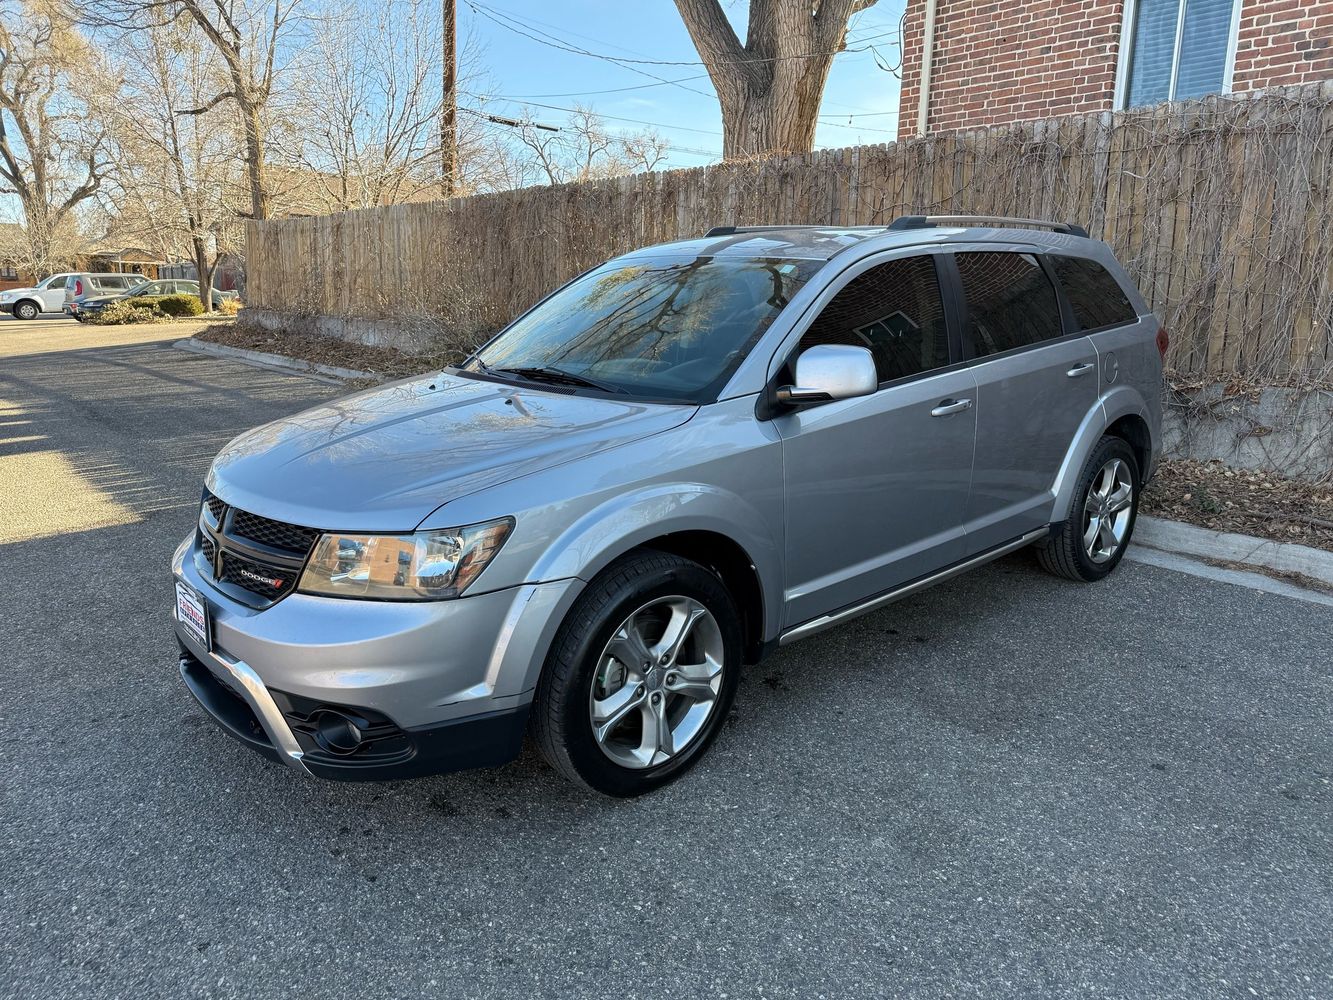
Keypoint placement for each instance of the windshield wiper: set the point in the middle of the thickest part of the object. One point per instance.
(555, 376)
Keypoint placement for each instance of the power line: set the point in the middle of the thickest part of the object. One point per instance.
(503, 20)
(599, 114)
(490, 13)
(621, 90)
(511, 123)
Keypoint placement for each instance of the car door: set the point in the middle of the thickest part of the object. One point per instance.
(53, 295)
(1036, 384)
(876, 486)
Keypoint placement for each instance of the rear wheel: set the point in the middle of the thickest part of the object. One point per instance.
(1100, 521)
(27, 310)
(641, 675)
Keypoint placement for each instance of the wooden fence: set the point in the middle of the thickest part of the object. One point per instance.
(1221, 208)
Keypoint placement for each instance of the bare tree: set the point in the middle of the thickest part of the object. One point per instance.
(176, 170)
(249, 38)
(52, 157)
(581, 150)
(770, 87)
(371, 115)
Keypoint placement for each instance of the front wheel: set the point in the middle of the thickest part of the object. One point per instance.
(26, 310)
(641, 675)
(1097, 528)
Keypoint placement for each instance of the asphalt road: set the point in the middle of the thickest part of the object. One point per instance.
(1008, 786)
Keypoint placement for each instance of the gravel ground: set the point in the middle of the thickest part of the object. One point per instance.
(1008, 786)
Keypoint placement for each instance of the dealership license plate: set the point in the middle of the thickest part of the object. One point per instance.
(192, 613)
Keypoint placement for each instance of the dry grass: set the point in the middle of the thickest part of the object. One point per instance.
(1248, 502)
(385, 362)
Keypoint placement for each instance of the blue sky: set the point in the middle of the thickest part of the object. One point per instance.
(860, 102)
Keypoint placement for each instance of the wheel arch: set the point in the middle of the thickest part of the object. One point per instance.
(715, 528)
(28, 300)
(1120, 413)
(1133, 429)
(724, 557)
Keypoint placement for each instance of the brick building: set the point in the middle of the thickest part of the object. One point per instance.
(993, 62)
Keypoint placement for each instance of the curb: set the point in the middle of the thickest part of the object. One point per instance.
(1190, 540)
(277, 362)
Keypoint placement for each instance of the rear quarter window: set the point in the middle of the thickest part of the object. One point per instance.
(1094, 295)
(1010, 301)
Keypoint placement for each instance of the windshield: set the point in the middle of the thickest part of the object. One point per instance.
(668, 328)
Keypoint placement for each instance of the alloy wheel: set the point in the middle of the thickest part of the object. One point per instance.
(657, 682)
(1107, 510)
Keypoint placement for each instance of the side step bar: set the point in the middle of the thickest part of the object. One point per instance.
(906, 590)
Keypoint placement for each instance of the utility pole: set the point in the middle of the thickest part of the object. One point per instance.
(449, 108)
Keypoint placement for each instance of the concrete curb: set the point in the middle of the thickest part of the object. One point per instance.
(278, 362)
(1190, 540)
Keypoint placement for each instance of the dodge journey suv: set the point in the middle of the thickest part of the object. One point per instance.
(679, 461)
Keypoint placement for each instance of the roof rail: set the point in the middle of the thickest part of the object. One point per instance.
(730, 230)
(927, 221)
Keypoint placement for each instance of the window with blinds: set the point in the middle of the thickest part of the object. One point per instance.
(1178, 49)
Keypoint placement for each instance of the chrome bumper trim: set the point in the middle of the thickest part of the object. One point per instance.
(242, 679)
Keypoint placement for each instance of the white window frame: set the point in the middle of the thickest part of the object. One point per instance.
(1127, 45)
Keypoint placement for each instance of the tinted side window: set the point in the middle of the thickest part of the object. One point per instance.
(1010, 301)
(1095, 296)
(895, 310)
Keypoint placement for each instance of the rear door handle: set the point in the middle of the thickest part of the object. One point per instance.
(948, 406)
(1080, 369)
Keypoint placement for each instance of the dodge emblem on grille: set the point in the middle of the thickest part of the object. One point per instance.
(253, 577)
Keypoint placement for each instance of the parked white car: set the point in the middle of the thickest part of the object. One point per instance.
(48, 295)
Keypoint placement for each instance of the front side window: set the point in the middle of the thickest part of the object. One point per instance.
(1178, 49)
(1010, 301)
(894, 309)
(671, 328)
(1096, 298)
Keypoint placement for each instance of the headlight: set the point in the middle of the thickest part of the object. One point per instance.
(423, 566)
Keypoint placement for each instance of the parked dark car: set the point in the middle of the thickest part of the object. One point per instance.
(86, 305)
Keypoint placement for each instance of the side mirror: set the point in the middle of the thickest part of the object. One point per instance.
(831, 371)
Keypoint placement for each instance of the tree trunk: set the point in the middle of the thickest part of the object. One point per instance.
(778, 119)
(203, 271)
(254, 160)
(769, 88)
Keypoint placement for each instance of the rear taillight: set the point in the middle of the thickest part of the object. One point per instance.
(78, 287)
(1163, 341)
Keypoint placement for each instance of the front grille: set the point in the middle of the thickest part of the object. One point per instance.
(256, 554)
(269, 582)
(275, 534)
(216, 508)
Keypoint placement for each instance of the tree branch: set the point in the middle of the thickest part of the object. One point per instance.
(226, 95)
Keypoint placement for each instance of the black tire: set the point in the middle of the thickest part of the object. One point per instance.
(561, 723)
(1064, 552)
(26, 310)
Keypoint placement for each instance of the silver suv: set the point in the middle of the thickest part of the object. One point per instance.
(679, 461)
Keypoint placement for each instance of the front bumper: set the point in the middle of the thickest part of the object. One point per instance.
(447, 684)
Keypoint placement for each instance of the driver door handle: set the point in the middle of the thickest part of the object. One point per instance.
(947, 406)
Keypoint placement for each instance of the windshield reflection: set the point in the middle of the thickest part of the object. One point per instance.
(669, 328)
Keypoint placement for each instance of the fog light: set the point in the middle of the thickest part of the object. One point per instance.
(336, 733)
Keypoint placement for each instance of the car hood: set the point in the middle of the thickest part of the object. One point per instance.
(383, 460)
(10, 293)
